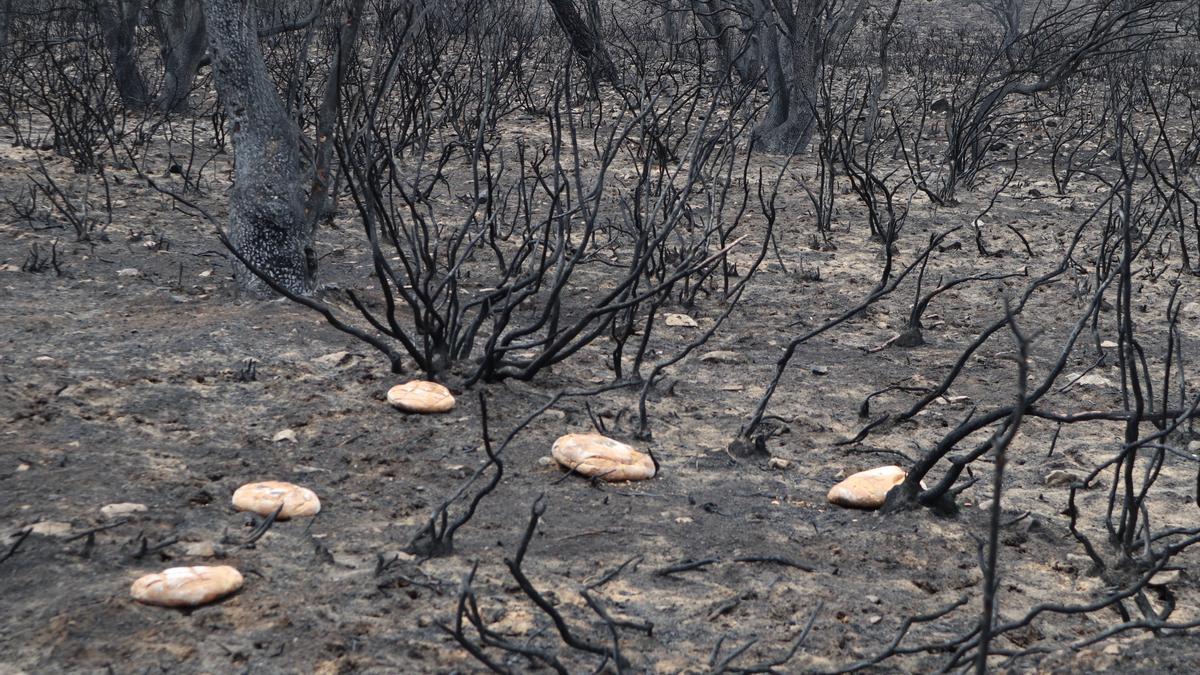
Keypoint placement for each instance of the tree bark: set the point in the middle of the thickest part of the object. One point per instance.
(585, 41)
(6, 10)
(789, 42)
(794, 38)
(317, 205)
(740, 55)
(879, 85)
(118, 21)
(266, 215)
(183, 41)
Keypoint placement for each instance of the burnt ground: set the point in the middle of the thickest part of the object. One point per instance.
(134, 387)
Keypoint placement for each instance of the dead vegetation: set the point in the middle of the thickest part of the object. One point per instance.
(772, 244)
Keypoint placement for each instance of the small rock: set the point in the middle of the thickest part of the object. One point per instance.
(51, 528)
(121, 509)
(683, 520)
(820, 370)
(680, 320)
(128, 272)
(199, 549)
(22, 467)
(873, 599)
(1080, 562)
(424, 621)
(1061, 478)
(866, 489)
(1108, 344)
(874, 619)
(9, 267)
(1113, 649)
(186, 586)
(1095, 380)
(778, 463)
(333, 360)
(546, 461)
(1165, 577)
(721, 356)
(284, 435)
(400, 556)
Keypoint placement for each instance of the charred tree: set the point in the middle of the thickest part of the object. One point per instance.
(734, 52)
(585, 41)
(6, 11)
(183, 42)
(792, 39)
(267, 224)
(787, 38)
(118, 21)
(317, 205)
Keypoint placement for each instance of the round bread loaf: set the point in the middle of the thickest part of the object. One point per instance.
(263, 498)
(186, 586)
(602, 457)
(866, 489)
(421, 397)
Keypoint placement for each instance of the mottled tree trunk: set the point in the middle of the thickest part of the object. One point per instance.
(183, 41)
(794, 36)
(788, 40)
(266, 214)
(585, 41)
(741, 55)
(118, 21)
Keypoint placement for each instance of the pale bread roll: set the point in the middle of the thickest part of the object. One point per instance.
(420, 396)
(866, 489)
(186, 586)
(600, 456)
(263, 498)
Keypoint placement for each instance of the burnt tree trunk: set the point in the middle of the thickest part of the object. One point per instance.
(317, 206)
(737, 54)
(789, 41)
(6, 11)
(793, 39)
(183, 40)
(267, 225)
(118, 22)
(585, 41)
